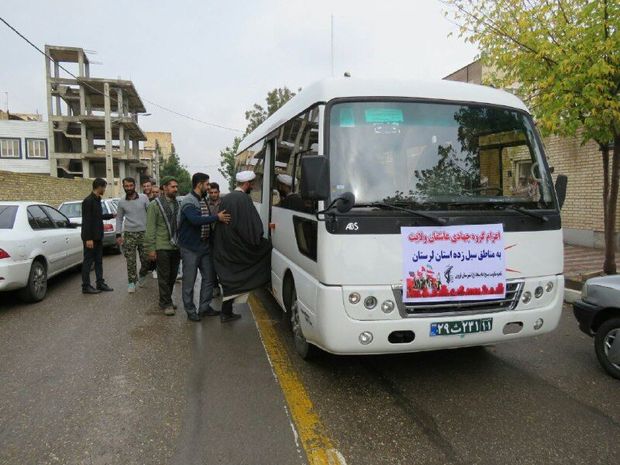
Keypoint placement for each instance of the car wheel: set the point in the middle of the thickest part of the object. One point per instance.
(607, 346)
(303, 348)
(36, 288)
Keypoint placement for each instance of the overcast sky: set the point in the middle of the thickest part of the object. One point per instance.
(214, 59)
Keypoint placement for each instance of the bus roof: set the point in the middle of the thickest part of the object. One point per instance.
(325, 90)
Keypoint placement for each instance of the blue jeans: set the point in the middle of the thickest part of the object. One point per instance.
(192, 262)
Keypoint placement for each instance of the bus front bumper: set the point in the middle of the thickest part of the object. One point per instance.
(338, 333)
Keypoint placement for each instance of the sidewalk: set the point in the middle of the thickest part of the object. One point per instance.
(581, 263)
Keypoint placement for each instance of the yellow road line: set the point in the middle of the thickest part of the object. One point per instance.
(312, 434)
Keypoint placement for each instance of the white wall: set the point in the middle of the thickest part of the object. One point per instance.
(24, 130)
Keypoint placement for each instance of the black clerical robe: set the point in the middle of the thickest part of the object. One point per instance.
(241, 255)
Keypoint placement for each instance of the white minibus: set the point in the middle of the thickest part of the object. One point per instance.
(407, 216)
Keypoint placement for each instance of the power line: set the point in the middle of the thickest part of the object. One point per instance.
(102, 93)
(191, 117)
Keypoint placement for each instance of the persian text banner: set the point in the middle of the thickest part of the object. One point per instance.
(452, 263)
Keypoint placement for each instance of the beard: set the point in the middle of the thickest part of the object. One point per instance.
(130, 192)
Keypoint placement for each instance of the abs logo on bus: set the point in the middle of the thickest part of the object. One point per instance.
(352, 227)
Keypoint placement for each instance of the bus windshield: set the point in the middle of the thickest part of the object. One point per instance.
(436, 155)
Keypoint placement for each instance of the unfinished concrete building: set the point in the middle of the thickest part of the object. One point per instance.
(93, 122)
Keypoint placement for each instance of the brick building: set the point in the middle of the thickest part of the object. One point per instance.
(582, 214)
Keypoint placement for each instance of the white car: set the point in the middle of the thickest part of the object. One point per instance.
(36, 243)
(73, 210)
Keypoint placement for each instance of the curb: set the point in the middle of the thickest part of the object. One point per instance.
(571, 295)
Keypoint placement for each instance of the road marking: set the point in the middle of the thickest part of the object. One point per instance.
(309, 428)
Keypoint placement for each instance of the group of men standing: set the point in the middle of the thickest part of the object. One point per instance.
(220, 237)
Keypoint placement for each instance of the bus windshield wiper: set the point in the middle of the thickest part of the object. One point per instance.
(523, 211)
(434, 219)
(512, 206)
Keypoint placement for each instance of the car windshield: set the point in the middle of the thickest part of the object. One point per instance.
(7, 216)
(71, 210)
(436, 155)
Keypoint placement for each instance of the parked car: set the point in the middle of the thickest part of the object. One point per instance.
(36, 243)
(598, 313)
(73, 210)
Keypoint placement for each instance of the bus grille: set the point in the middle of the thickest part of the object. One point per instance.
(513, 293)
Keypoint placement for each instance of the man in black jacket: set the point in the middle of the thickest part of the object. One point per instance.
(92, 236)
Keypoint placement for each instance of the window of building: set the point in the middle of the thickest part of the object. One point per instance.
(10, 148)
(36, 148)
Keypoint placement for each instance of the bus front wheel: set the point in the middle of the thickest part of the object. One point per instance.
(303, 348)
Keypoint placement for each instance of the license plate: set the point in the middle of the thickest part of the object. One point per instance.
(451, 328)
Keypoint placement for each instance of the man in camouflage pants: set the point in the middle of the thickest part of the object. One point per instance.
(131, 222)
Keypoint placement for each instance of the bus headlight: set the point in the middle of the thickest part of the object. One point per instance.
(527, 296)
(354, 298)
(387, 306)
(549, 286)
(538, 292)
(370, 302)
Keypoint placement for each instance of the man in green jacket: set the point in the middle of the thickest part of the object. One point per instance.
(160, 241)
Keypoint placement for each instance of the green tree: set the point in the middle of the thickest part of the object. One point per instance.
(173, 167)
(227, 163)
(563, 59)
(254, 117)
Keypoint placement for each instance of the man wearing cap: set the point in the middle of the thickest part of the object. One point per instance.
(160, 241)
(242, 256)
(195, 222)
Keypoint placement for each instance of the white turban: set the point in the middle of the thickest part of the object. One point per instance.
(285, 179)
(244, 176)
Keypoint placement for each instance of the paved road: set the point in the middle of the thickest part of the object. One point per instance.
(107, 379)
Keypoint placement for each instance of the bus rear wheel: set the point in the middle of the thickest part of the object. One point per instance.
(303, 348)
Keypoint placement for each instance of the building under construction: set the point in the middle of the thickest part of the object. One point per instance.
(93, 122)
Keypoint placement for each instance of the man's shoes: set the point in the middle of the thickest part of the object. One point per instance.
(104, 287)
(193, 316)
(210, 312)
(141, 281)
(228, 317)
(169, 311)
(90, 290)
(131, 288)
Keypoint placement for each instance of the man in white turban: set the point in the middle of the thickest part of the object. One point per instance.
(242, 256)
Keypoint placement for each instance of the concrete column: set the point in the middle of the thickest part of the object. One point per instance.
(85, 169)
(120, 107)
(121, 139)
(109, 161)
(51, 143)
(84, 138)
(127, 143)
(81, 64)
(122, 169)
(57, 75)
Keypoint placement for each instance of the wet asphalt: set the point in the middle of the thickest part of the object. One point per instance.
(543, 400)
(108, 379)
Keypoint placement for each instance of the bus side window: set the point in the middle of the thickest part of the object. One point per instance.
(298, 138)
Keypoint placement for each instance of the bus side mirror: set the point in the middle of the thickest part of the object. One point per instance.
(560, 188)
(314, 181)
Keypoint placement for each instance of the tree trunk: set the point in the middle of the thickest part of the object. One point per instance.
(610, 202)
